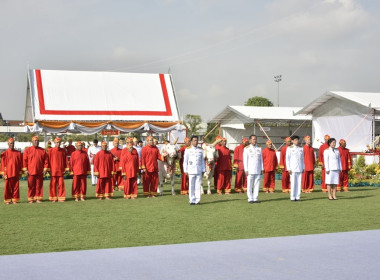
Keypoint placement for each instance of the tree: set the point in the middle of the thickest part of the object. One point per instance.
(258, 101)
(192, 123)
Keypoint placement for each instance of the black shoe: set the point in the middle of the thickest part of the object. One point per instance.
(198, 203)
(192, 203)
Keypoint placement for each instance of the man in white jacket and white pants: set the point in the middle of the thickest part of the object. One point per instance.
(253, 168)
(295, 165)
(194, 167)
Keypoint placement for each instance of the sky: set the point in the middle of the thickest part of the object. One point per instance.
(219, 52)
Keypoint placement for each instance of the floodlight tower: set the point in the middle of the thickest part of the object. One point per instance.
(278, 79)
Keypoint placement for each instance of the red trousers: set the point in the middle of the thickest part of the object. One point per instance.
(184, 184)
(104, 187)
(308, 181)
(54, 181)
(343, 181)
(269, 181)
(150, 183)
(224, 181)
(130, 187)
(79, 187)
(117, 180)
(240, 181)
(323, 180)
(285, 181)
(12, 190)
(35, 187)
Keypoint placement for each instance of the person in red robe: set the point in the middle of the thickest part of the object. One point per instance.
(346, 160)
(103, 166)
(59, 165)
(11, 166)
(285, 174)
(35, 165)
(270, 164)
(184, 177)
(224, 168)
(240, 178)
(149, 156)
(117, 179)
(321, 163)
(309, 160)
(70, 148)
(80, 167)
(218, 139)
(129, 166)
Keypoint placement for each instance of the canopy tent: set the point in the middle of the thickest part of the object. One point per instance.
(237, 122)
(88, 102)
(344, 115)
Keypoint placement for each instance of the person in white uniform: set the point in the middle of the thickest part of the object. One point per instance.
(333, 167)
(253, 168)
(194, 167)
(295, 165)
(92, 151)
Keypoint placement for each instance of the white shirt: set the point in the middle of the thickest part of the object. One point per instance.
(331, 159)
(193, 161)
(253, 160)
(295, 159)
(92, 151)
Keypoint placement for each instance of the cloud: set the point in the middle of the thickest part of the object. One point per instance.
(186, 95)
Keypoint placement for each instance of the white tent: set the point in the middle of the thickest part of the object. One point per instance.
(88, 102)
(237, 122)
(344, 115)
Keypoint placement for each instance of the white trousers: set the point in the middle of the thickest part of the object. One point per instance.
(253, 186)
(295, 185)
(94, 179)
(195, 181)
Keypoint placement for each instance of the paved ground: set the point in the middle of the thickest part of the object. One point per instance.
(349, 255)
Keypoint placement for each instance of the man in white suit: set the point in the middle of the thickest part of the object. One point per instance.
(194, 167)
(295, 165)
(253, 168)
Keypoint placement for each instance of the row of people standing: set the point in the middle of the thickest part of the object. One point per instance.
(36, 162)
(270, 164)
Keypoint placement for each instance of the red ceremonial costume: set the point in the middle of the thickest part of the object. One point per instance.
(129, 165)
(149, 157)
(285, 174)
(346, 160)
(11, 166)
(184, 177)
(308, 174)
(69, 150)
(35, 161)
(117, 179)
(103, 166)
(240, 179)
(321, 161)
(58, 165)
(270, 164)
(224, 170)
(80, 168)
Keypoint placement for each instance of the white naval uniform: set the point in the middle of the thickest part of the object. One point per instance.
(194, 166)
(295, 163)
(332, 164)
(138, 149)
(92, 151)
(253, 163)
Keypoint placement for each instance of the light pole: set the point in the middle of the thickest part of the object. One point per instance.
(278, 79)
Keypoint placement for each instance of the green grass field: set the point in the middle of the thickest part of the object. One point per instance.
(93, 224)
